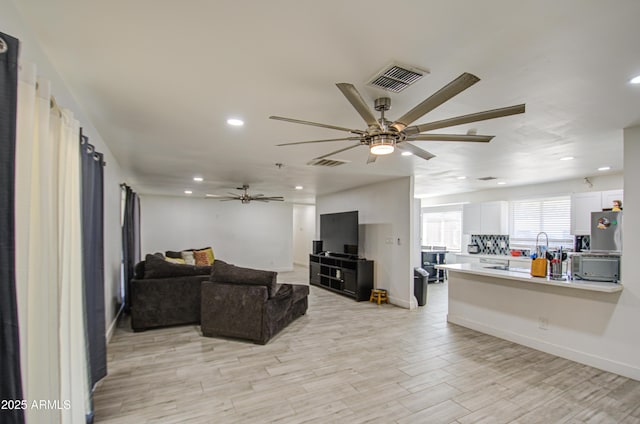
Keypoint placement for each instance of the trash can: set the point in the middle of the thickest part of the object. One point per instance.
(420, 283)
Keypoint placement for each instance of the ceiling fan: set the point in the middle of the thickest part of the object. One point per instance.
(246, 197)
(383, 136)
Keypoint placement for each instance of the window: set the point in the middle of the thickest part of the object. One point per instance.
(442, 227)
(533, 216)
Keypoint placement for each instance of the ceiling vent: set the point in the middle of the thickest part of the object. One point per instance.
(397, 77)
(487, 178)
(326, 162)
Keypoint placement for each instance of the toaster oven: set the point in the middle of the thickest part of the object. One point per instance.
(596, 267)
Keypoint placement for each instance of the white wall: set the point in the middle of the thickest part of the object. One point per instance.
(256, 235)
(385, 214)
(31, 51)
(304, 230)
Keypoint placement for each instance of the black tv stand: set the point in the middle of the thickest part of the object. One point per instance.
(341, 273)
(342, 255)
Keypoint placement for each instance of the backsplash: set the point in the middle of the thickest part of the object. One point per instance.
(491, 244)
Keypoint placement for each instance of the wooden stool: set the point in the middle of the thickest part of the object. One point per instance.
(379, 295)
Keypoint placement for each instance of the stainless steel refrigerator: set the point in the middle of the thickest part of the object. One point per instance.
(606, 231)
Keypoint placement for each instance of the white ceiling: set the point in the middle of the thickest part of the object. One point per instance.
(159, 79)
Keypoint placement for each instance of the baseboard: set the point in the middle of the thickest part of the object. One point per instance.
(401, 302)
(595, 361)
(114, 324)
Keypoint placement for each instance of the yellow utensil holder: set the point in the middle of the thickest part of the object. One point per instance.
(539, 267)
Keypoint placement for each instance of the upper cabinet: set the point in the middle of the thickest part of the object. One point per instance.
(485, 218)
(582, 204)
(609, 196)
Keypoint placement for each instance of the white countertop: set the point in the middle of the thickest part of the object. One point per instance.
(502, 257)
(478, 269)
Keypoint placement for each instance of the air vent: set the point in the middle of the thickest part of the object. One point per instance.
(326, 162)
(396, 77)
(487, 178)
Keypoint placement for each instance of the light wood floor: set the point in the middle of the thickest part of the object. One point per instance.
(349, 362)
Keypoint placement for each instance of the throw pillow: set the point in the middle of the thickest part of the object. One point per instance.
(187, 255)
(172, 254)
(201, 257)
(174, 260)
(209, 251)
(156, 267)
(222, 272)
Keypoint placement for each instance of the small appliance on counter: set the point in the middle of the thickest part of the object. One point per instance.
(596, 267)
(473, 248)
(582, 243)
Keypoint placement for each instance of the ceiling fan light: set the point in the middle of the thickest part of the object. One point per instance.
(382, 145)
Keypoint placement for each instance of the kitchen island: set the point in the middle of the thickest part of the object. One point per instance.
(564, 318)
(522, 275)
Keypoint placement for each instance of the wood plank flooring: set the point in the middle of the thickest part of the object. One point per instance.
(349, 362)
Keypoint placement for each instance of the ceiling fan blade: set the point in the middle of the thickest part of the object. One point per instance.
(271, 199)
(452, 137)
(319, 141)
(415, 150)
(316, 124)
(338, 151)
(358, 103)
(372, 158)
(218, 196)
(465, 119)
(450, 90)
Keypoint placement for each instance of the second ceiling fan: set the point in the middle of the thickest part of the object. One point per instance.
(383, 136)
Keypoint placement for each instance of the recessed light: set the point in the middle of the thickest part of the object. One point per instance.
(501, 183)
(198, 179)
(188, 192)
(299, 187)
(406, 153)
(567, 158)
(235, 122)
(604, 168)
(462, 177)
(635, 80)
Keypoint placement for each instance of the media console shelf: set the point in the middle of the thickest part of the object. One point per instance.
(351, 277)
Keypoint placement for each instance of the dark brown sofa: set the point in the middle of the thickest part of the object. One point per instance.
(165, 294)
(249, 304)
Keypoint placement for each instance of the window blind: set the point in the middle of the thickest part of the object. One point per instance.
(531, 217)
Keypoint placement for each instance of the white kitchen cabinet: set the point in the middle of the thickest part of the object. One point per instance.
(485, 218)
(471, 218)
(582, 204)
(609, 196)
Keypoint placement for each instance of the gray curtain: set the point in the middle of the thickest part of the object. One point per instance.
(130, 240)
(93, 259)
(10, 378)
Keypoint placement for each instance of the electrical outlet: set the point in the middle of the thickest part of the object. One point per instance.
(489, 243)
(543, 323)
(503, 244)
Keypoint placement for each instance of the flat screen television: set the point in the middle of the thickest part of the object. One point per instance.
(339, 232)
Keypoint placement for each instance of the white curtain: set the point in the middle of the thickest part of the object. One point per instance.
(48, 256)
